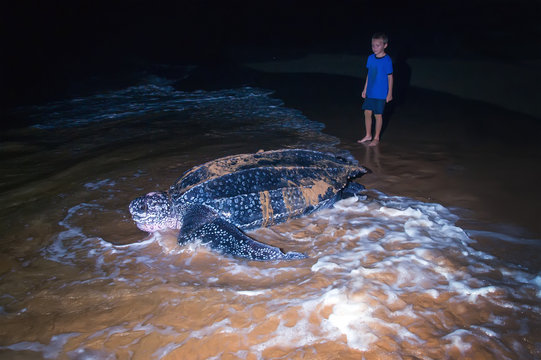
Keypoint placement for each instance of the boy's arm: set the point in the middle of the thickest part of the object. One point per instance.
(390, 92)
(364, 89)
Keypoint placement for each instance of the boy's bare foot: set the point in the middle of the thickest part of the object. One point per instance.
(374, 142)
(364, 139)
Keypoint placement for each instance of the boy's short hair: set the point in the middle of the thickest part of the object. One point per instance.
(381, 36)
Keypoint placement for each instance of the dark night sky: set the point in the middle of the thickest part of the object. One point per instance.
(49, 44)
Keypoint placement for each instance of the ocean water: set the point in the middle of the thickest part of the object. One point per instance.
(387, 277)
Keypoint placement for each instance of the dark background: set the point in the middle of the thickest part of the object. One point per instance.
(58, 49)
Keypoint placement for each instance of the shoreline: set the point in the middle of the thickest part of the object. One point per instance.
(512, 86)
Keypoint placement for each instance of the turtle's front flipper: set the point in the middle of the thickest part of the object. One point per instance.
(204, 224)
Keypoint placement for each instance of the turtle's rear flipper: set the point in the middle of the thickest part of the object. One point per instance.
(204, 224)
(351, 189)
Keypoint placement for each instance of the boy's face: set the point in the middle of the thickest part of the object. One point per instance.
(378, 47)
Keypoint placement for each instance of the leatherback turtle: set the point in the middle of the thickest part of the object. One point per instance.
(219, 200)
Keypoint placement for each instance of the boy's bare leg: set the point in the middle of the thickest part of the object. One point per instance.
(379, 124)
(368, 126)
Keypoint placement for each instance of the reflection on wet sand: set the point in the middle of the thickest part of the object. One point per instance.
(372, 157)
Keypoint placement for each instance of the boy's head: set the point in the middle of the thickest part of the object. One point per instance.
(381, 36)
(379, 43)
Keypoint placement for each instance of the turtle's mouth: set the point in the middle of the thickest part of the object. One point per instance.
(151, 227)
(146, 223)
(151, 222)
(148, 227)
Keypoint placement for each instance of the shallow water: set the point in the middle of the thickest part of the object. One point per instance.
(387, 276)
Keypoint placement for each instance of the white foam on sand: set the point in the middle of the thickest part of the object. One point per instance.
(385, 263)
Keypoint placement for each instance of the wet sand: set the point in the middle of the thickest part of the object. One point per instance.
(387, 277)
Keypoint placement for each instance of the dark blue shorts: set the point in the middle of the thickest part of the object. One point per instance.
(376, 105)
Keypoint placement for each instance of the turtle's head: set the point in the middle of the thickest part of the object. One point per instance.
(153, 212)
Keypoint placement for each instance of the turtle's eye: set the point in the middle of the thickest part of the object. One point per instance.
(142, 206)
(138, 206)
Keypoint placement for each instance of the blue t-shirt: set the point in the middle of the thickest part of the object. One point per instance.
(378, 83)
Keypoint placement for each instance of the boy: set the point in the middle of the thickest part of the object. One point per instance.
(378, 88)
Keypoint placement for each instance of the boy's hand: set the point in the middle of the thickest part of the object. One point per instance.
(389, 98)
(363, 94)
